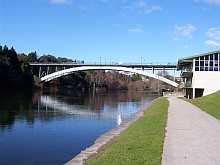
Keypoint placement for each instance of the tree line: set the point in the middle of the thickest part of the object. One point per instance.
(15, 73)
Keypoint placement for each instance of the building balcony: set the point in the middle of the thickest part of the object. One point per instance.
(187, 85)
(187, 74)
(187, 69)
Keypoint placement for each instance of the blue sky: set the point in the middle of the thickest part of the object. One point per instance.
(115, 30)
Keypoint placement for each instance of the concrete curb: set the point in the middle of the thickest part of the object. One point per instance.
(104, 139)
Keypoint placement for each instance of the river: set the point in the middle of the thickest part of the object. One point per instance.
(53, 127)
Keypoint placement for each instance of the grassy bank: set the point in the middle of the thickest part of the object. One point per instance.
(142, 143)
(210, 104)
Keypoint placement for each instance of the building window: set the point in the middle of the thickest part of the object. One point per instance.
(197, 65)
(216, 56)
(201, 65)
(209, 62)
(206, 65)
(211, 65)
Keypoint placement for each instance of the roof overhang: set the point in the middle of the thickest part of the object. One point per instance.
(188, 60)
(183, 62)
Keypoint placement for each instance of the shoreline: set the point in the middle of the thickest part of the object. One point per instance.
(104, 139)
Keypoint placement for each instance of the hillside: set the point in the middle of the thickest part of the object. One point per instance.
(209, 103)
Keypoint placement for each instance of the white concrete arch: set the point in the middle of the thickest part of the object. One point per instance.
(84, 68)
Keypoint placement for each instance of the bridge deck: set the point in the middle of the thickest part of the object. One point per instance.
(132, 65)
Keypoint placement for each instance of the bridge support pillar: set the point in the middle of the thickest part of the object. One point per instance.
(39, 75)
(48, 68)
(174, 75)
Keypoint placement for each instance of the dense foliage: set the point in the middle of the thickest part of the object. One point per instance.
(13, 72)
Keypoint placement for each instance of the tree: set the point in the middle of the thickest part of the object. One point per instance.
(23, 58)
(32, 57)
(9, 58)
(27, 74)
(13, 73)
(61, 60)
(164, 74)
(136, 77)
(162, 85)
(47, 58)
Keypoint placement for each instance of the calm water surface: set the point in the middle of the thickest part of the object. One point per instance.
(52, 128)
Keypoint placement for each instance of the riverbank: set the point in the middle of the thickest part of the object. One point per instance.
(144, 135)
(143, 141)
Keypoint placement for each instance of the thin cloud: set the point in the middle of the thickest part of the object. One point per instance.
(184, 31)
(136, 30)
(152, 9)
(81, 7)
(103, 1)
(128, 10)
(87, 6)
(139, 7)
(60, 1)
(213, 2)
(186, 46)
(128, 7)
(117, 25)
(145, 7)
(213, 44)
(214, 33)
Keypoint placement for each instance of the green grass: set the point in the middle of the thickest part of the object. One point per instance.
(209, 103)
(168, 92)
(142, 143)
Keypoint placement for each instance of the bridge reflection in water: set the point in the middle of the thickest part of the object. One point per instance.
(49, 104)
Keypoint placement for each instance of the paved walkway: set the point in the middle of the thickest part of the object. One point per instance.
(193, 136)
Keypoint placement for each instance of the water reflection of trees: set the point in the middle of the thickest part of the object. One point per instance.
(15, 105)
(20, 106)
(25, 106)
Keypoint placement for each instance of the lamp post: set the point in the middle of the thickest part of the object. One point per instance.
(100, 60)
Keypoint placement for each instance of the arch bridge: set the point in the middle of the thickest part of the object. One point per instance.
(50, 71)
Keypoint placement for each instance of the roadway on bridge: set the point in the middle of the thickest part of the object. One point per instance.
(168, 65)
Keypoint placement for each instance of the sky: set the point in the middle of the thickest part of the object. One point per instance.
(129, 31)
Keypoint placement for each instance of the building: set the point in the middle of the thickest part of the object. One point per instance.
(201, 74)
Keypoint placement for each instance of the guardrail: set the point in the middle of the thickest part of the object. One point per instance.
(158, 64)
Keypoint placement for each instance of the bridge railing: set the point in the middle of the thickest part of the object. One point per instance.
(108, 63)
